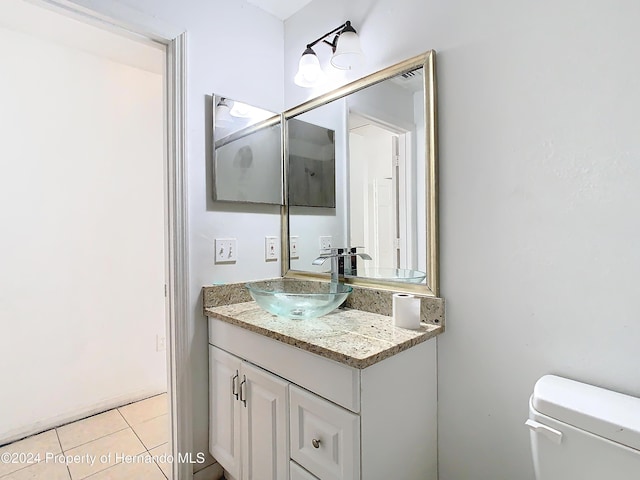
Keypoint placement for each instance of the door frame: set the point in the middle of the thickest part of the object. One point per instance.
(403, 187)
(129, 22)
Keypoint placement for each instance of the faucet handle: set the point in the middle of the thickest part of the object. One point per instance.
(343, 250)
(354, 251)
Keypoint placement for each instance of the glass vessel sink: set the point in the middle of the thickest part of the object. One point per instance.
(392, 274)
(297, 299)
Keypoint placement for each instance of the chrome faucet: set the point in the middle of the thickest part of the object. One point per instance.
(338, 256)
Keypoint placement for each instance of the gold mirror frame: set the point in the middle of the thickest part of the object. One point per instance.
(427, 61)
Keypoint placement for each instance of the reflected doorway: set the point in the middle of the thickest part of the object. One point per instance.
(378, 192)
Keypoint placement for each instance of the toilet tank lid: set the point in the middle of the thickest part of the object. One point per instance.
(602, 412)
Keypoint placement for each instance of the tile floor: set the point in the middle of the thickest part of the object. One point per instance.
(124, 443)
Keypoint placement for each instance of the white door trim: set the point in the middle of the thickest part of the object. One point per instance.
(178, 259)
(127, 21)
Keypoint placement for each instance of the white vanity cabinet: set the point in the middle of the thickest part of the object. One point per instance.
(248, 418)
(319, 417)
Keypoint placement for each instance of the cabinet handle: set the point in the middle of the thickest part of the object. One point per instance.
(234, 385)
(316, 443)
(243, 396)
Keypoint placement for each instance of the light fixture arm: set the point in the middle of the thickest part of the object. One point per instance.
(346, 53)
(346, 26)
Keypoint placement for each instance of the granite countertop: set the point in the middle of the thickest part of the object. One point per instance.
(353, 337)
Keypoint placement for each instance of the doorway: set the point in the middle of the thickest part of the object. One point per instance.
(77, 230)
(378, 156)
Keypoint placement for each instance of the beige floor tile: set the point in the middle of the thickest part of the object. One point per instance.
(44, 470)
(140, 468)
(160, 455)
(103, 453)
(89, 429)
(145, 409)
(153, 432)
(34, 449)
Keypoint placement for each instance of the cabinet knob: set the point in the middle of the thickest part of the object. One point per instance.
(315, 443)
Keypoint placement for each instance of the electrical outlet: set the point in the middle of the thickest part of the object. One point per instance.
(293, 247)
(325, 243)
(161, 343)
(226, 250)
(270, 249)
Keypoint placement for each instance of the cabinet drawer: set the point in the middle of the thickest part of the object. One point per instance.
(299, 473)
(325, 438)
(335, 381)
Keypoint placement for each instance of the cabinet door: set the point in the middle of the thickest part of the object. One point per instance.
(224, 409)
(265, 441)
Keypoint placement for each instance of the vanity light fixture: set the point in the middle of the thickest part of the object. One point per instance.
(347, 55)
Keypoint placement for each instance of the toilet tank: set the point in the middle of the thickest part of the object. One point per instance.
(583, 432)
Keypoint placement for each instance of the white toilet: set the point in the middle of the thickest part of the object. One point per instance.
(582, 432)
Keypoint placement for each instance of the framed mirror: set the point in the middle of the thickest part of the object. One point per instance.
(247, 153)
(384, 142)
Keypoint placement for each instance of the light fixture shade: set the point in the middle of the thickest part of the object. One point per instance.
(223, 116)
(240, 110)
(309, 71)
(348, 54)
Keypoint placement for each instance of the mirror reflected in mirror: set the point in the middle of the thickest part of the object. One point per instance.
(247, 153)
(385, 177)
(312, 164)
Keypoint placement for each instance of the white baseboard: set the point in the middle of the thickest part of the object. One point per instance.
(78, 414)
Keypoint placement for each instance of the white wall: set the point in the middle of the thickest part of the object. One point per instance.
(539, 177)
(235, 50)
(82, 243)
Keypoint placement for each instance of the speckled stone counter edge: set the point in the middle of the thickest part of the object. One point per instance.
(371, 337)
(432, 309)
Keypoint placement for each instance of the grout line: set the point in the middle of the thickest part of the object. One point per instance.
(97, 438)
(161, 471)
(156, 463)
(93, 440)
(144, 421)
(133, 425)
(18, 470)
(135, 433)
(117, 463)
(65, 462)
(27, 465)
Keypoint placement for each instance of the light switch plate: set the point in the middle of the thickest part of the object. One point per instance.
(293, 247)
(161, 343)
(226, 250)
(270, 249)
(325, 243)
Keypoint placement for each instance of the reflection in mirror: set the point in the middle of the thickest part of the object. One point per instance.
(247, 153)
(312, 165)
(318, 226)
(386, 139)
(384, 136)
